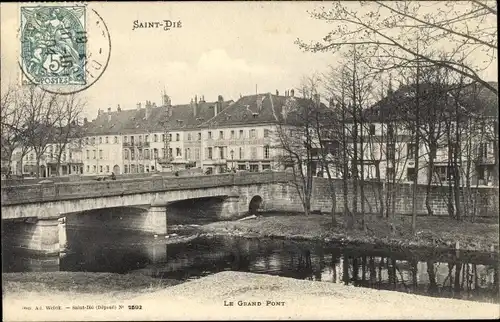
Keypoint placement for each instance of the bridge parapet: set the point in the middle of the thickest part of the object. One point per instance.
(50, 191)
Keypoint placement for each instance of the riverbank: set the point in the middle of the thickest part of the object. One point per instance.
(81, 283)
(433, 232)
(233, 295)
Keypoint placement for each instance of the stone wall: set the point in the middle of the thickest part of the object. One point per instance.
(438, 198)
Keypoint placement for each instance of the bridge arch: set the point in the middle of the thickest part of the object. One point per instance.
(255, 204)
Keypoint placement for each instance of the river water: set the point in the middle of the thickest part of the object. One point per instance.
(468, 276)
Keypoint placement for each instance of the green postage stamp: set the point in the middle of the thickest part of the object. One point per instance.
(53, 45)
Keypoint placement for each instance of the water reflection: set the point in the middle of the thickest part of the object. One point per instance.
(471, 278)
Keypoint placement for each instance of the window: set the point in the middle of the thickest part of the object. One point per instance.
(132, 139)
(390, 173)
(170, 137)
(209, 135)
(100, 168)
(170, 152)
(480, 173)
(411, 150)
(146, 154)
(93, 140)
(390, 130)
(107, 140)
(242, 154)
(221, 135)
(483, 150)
(266, 152)
(125, 154)
(146, 138)
(372, 129)
(163, 137)
(115, 140)
(197, 153)
(252, 133)
(391, 151)
(241, 134)
(88, 168)
(64, 156)
(253, 152)
(94, 169)
(209, 153)
(188, 154)
(125, 140)
(155, 153)
(139, 155)
(107, 169)
(140, 138)
(242, 167)
(199, 136)
(442, 173)
(410, 174)
(100, 154)
(125, 169)
(88, 155)
(232, 134)
(155, 138)
(221, 152)
(132, 155)
(266, 166)
(70, 155)
(94, 154)
(178, 151)
(266, 133)
(87, 142)
(177, 137)
(254, 168)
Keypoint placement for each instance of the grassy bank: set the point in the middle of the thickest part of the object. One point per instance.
(82, 283)
(431, 231)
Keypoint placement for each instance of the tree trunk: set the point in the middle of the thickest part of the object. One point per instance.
(430, 175)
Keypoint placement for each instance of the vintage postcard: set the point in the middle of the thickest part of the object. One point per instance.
(321, 160)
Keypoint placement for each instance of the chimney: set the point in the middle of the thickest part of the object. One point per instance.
(85, 120)
(331, 103)
(99, 112)
(154, 105)
(109, 117)
(316, 98)
(148, 111)
(193, 107)
(277, 93)
(139, 105)
(119, 109)
(218, 105)
(292, 93)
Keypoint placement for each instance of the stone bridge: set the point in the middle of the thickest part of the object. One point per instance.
(30, 213)
(37, 208)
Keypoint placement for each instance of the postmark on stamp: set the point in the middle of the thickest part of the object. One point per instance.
(64, 49)
(53, 44)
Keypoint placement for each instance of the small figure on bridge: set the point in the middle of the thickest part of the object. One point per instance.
(113, 177)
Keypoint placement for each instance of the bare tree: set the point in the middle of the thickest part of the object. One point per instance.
(384, 30)
(68, 132)
(11, 125)
(42, 112)
(296, 140)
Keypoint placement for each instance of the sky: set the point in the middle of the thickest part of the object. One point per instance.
(223, 49)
